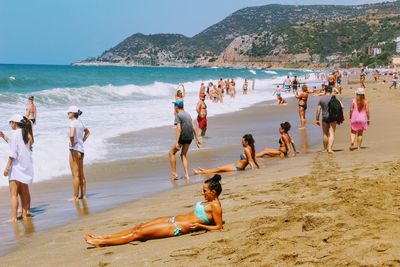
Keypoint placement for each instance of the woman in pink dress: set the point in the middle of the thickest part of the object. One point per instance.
(359, 117)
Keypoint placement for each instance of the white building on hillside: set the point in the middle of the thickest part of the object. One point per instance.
(397, 45)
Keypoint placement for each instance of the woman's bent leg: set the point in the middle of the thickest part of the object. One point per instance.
(14, 200)
(270, 152)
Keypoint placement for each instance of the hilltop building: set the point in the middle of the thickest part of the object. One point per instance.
(373, 51)
(398, 45)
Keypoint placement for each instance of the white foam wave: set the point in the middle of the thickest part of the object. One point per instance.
(253, 72)
(110, 111)
(270, 72)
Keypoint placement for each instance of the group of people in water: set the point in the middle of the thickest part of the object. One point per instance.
(207, 215)
(19, 168)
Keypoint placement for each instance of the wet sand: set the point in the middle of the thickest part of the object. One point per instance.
(315, 209)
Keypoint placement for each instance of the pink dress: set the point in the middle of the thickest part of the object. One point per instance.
(359, 117)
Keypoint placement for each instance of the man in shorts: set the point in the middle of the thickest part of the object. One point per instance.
(31, 111)
(201, 109)
(185, 132)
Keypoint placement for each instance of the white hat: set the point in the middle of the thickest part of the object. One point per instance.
(16, 118)
(360, 91)
(73, 109)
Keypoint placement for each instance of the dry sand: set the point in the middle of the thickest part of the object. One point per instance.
(312, 210)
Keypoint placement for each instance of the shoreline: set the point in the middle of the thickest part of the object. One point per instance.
(184, 66)
(269, 205)
(139, 174)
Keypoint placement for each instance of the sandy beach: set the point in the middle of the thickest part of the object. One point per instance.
(312, 210)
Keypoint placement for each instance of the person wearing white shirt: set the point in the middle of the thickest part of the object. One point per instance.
(78, 135)
(19, 168)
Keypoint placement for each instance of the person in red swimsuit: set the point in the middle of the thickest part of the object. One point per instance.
(201, 109)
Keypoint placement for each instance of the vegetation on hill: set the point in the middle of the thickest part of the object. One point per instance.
(326, 38)
(273, 30)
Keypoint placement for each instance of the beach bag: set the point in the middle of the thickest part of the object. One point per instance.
(335, 111)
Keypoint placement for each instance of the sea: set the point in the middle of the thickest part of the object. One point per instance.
(115, 101)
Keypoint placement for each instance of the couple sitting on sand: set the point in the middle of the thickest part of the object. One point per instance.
(249, 155)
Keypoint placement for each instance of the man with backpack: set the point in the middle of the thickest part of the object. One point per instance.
(332, 114)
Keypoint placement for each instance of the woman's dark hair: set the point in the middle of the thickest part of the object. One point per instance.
(286, 126)
(77, 114)
(214, 184)
(26, 126)
(250, 141)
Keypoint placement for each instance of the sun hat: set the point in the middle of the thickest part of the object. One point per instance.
(16, 118)
(360, 91)
(178, 103)
(73, 109)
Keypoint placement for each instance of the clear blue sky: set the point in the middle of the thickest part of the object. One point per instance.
(63, 31)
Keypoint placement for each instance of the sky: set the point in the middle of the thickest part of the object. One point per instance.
(64, 31)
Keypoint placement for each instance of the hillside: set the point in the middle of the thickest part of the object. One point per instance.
(271, 33)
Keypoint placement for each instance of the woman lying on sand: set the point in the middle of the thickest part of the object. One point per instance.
(284, 144)
(247, 158)
(206, 216)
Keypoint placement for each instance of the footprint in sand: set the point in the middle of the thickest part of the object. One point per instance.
(187, 252)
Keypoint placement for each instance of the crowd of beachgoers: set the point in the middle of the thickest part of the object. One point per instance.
(207, 215)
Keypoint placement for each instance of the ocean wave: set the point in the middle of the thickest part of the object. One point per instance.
(93, 94)
(253, 72)
(270, 72)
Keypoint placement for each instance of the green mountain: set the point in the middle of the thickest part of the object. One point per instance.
(271, 33)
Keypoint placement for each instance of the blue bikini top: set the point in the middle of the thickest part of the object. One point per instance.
(200, 212)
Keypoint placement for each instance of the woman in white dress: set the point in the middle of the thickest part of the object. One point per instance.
(78, 135)
(19, 168)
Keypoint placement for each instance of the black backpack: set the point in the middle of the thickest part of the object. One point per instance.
(335, 111)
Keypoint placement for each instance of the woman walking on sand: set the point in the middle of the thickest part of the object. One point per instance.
(285, 143)
(247, 158)
(78, 134)
(207, 215)
(303, 97)
(359, 117)
(19, 168)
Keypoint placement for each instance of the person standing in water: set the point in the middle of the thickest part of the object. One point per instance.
(303, 97)
(185, 131)
(359, 118)
(180, 92)
(19, 168)
(78, 134)
(245, 87)
(31, 111)
(201, 109)
(295, 83)
(232, 89)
